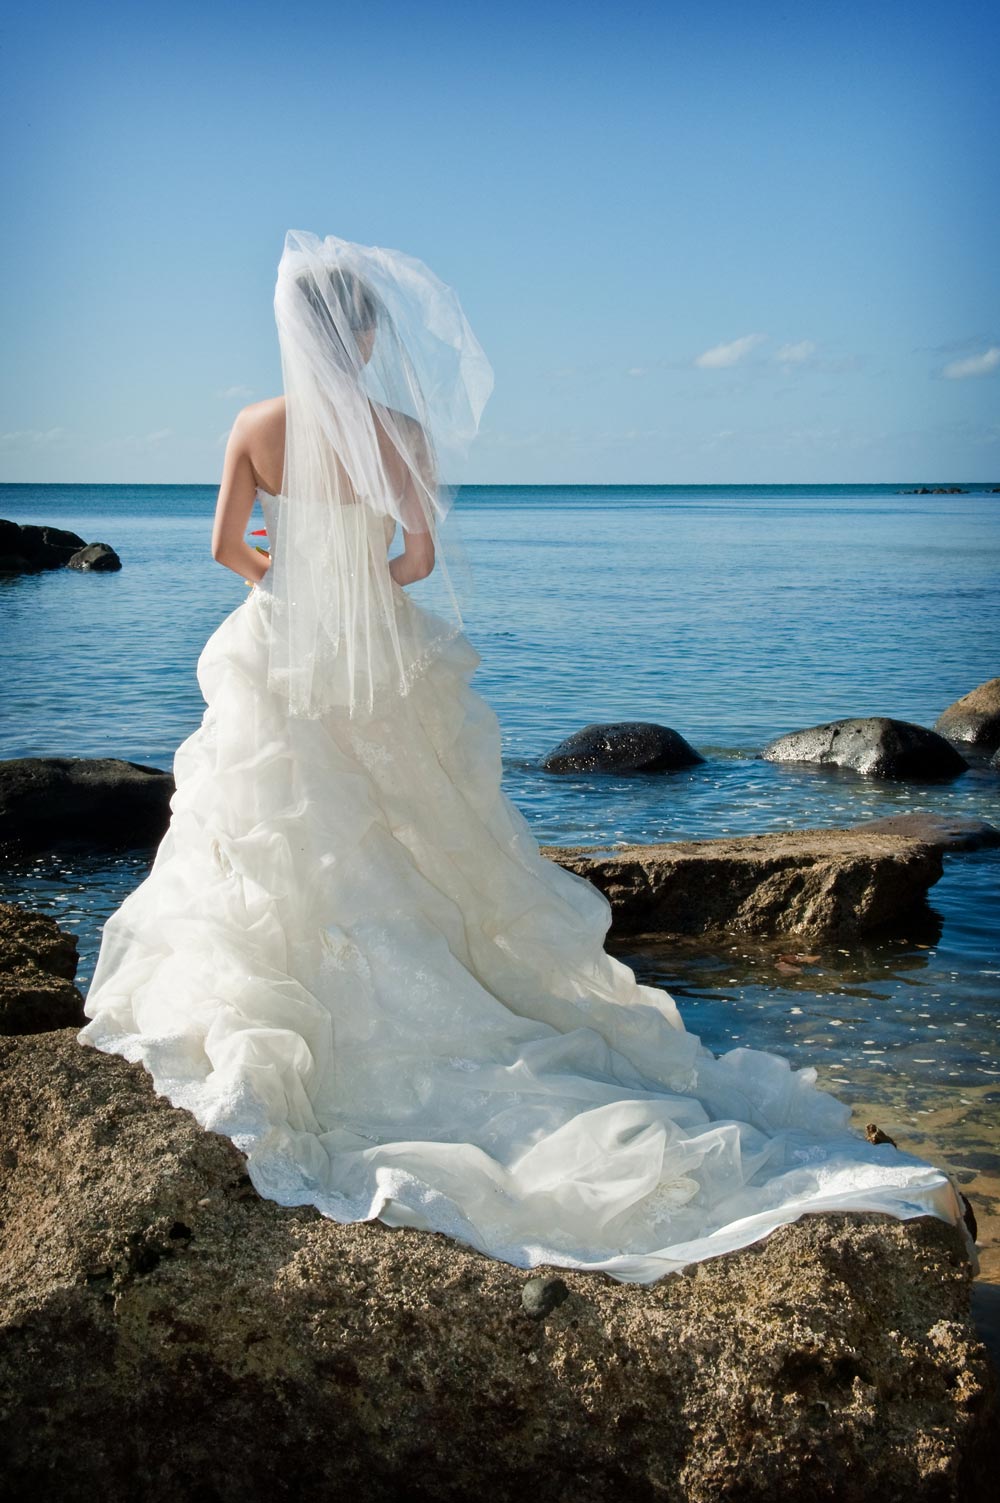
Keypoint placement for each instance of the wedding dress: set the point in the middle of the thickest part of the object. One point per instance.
(351, 958)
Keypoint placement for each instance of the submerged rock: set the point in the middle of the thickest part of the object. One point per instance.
(975, 718)
(165, 1333)
(102, 801)
(875, 745)
(622, 746)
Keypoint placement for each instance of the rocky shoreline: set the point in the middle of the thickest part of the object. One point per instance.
(245, 1350)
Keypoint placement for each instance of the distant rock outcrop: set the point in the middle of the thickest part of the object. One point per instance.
(26, 548)
(875, 745)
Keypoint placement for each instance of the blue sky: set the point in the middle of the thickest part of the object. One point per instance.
(713, 242)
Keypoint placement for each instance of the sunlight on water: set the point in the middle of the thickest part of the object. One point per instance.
(731, 614)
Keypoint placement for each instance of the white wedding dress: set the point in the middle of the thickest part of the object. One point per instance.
(351, 958)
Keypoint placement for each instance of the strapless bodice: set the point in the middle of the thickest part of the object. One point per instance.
(271, 506)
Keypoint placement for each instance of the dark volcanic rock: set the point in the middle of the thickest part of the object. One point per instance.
(975, 717)
(27, 548)
(38, 962)
(166, 1334)
(104, 801)
(875, 745)
(100, 556)
(622, 746)
(816, 883)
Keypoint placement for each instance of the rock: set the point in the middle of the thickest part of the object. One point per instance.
(539, 1297)
(975, 717)
(103, 801)
(622, 747)
(100, 556)
(948, 832)
(38, 962)
(27, 549)
(813, 883)
(165, 1334)
(875, 745)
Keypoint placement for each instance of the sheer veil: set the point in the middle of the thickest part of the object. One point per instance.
(385, 384)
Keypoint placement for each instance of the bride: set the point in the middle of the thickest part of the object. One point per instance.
(349, 955)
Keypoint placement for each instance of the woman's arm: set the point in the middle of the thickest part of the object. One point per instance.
(233, 507)
(417, 558)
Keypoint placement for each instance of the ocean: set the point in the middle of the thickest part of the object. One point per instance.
(732, 614)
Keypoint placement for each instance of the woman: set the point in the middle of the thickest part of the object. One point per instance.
(349, 954)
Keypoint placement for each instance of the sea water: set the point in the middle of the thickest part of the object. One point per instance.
(732, 614)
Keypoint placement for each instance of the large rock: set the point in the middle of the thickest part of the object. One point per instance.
(97, 556)
(624, 746)
(38, 962)
(875, 745)
(814, 883)
(166, 1334)
(26, 548)
(975, 718)
(102, 801)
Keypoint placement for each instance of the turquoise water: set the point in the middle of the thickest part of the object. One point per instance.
(731, 613)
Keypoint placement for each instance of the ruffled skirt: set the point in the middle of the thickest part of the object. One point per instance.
(351, 958)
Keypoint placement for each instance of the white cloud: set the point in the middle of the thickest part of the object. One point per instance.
(32, 438)
(638, 370)
(137, 442)
(973, 365)
(794, 354)
(728, 354)
(235, 391)
(561, 439)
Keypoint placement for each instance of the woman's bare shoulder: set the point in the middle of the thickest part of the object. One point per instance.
(259, 414)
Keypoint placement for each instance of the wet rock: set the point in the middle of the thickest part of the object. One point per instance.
(38, 962)
(949, 832)
(165, 1335)
(975, 718)
(622, 747)
(875, 745)
(27, 548)
(47, 802)
(817, 884)
(99, 556)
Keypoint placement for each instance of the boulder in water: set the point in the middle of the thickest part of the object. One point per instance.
(622, 747)
(876, 745)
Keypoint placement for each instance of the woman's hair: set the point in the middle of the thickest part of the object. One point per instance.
(341, 299)
(342, 290)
